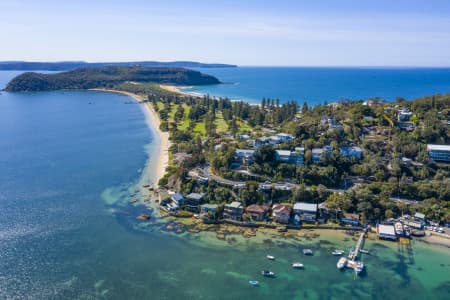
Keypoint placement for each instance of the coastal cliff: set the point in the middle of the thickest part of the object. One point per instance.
(106, 77)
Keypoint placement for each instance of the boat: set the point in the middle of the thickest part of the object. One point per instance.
(267, 273)
(254, 282)
(270, 257)
(342, 263)
(337, 252)
(307, 252)
(297, 265)
(359, 267)
(364, 251)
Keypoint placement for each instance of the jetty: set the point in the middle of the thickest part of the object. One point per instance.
(351, 262)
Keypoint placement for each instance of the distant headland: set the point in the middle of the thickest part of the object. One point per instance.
(71, 65)
(107, 77)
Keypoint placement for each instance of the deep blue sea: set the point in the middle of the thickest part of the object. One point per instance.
(69, 163)
(317, 85)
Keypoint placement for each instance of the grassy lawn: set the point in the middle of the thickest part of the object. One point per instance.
(221, 125)
(200, 128)
(243, 126)
(184, 124)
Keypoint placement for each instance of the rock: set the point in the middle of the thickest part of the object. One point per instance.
(143, 217)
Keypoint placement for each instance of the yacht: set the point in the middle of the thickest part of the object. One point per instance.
(297, 265)
(270, 257)
(342, 263)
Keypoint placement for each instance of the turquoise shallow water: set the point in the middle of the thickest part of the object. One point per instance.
(317, 85)
(67, 169)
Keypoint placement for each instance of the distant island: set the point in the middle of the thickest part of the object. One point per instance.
(71, 65)
(107, 77)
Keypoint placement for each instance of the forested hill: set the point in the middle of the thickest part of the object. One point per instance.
(71, 65)
(106, 77)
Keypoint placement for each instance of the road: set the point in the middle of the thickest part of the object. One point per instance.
(285, 186)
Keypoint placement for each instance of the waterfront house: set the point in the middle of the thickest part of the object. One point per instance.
(192, 201)
(351, 219)
(233, 211)
(386, 231)
(176, 198)
(306, 211)
(281, 213)
(209, 210)
(257, 212)
(355, 152)
(163, 197)
(439, 152)
(419, 217)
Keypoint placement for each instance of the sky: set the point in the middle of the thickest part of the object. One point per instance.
(253, 32)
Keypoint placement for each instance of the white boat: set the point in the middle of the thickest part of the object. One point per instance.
(364, 251)
(270, 257)
(297, 265)
(342, 263)
(254, 282)
(359, 267)
(307, 252)
(337, 252)
(267, 273)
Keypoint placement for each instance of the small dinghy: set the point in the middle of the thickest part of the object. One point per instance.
(307, 252)
(337, 252)
(254, 282)
(297, 265)
(270, 257)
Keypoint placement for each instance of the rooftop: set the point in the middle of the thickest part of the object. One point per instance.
(438, 147)
(195, 196)
(283, 152)
(234, 204)
(257, 208)
(386, 229)
(305, 206)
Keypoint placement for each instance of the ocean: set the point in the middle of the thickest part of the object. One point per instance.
(319, 85)
(69, 163)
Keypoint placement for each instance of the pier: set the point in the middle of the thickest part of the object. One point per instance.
(351, 262)
(354, 254)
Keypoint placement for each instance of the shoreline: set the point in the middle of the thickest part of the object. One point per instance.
(161, 141)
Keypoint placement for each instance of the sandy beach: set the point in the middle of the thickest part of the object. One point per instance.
(161, 138)
(174, 89)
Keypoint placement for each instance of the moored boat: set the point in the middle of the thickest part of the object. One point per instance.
(270, 257)
(297, 265)
(338, 252)
(267, 273)
(359, 267)
(342, 262)
(307, 252)
(254, 282)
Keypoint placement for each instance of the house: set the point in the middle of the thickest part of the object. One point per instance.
(408, 126)
(355, 152)
(285, 137)
(439, 152)
(163, 196)
(192, 201)
(291, 157)
(244, 136)
(281, 213)
(176, 198)
(166, 203)
(275, 140)
(386, 231)
(351, 219)
(318, 153)
(233, 211)
(306, 211)
(206, 210)
(257, 212)
(404, 115)
(245, 156)
(261, 141)
(419, 217)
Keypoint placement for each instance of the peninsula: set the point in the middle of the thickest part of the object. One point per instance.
(106, 77)
(70, 65)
